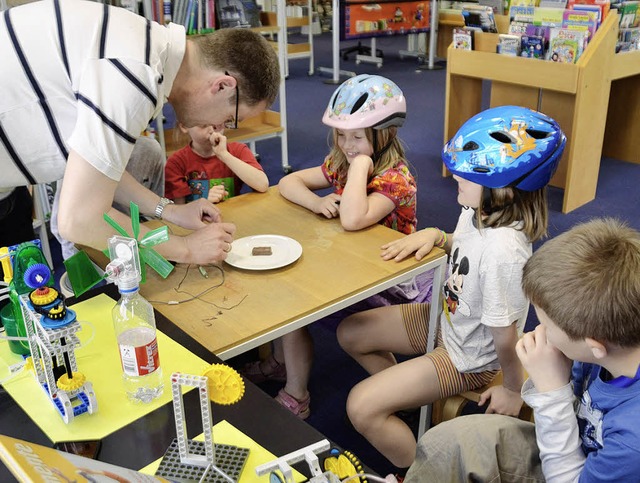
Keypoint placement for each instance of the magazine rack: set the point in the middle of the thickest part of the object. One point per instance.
(575, 95)
(623, 118)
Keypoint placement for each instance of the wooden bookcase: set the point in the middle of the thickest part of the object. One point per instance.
(575, 95)
(300, 50)
(623, 118)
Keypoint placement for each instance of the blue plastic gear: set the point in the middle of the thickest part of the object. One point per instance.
(37, 275)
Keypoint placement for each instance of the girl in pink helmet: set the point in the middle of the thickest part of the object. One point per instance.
(371, 183)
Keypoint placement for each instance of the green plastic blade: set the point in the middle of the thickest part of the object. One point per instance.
(115, 225)
(156, 261)
(135, 219)
(155, 237)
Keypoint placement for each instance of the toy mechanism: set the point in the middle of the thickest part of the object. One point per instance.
(50, 329)
(197, 460)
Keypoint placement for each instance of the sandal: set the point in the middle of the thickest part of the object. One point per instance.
(254, 372)
(298, 407)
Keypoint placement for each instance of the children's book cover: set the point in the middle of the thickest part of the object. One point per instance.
(462, 39)
(583, 20)
(518, 28)
(521, 13)
(532, 46)
(628, 14)
(509, 45)
(567, 44)
(478, 16)
(602, 5)
(550, 17)
(35, 463)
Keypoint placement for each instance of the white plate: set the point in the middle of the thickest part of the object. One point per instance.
(284, 250)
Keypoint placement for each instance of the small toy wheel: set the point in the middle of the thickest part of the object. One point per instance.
(225, 384)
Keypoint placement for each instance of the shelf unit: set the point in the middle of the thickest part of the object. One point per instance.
(302, 50)
(575, 95)
(623, 117)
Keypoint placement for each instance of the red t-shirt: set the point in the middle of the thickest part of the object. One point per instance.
(189, 175)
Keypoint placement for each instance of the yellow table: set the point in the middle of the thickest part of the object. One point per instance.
(337, 268)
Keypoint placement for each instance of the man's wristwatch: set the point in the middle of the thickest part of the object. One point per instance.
(160, 207)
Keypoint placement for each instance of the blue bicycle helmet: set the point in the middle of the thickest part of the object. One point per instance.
(506, 146)
(366, 101)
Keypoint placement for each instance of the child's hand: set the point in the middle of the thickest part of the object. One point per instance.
(420, 242)
(217, 193)
(548, 368)
(218, 143)
(361, 162)
(501, 401)
(328, 206)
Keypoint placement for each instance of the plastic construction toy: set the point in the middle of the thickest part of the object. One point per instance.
(50, 329)
(340, 467)
(187, 459)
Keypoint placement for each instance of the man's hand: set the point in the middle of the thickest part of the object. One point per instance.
(328, 206)
(420, 242)
(192, 216)
(210, 244)
(501, 401)
(548, 368)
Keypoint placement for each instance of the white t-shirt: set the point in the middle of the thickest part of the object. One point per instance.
(79, 75)
(482, 290)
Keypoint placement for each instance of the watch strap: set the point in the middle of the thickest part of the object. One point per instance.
(160, 207)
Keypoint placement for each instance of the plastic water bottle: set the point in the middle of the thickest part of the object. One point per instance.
(134, 324)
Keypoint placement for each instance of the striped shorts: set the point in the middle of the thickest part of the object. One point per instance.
(416, 322)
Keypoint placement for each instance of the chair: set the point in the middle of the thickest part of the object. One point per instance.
(359, 50)
(451, 407)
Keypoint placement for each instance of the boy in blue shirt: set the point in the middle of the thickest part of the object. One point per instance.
(585, 287)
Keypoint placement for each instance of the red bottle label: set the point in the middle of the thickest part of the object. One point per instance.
(141, 360)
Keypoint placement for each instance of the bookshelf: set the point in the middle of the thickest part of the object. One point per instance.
(302, 50)
(623, 117)
(575, 95)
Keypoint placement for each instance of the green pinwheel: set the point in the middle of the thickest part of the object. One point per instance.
(148, 256)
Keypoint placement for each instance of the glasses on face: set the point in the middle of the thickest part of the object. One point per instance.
(233, 123)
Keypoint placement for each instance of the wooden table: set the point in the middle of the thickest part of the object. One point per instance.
(337, 268)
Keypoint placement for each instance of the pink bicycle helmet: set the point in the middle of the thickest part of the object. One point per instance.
(366, 101)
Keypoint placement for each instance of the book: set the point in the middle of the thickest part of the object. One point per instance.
(553, 4)
(518, 28)
(35, 463)
(479, 16)
(550, 17)
(496, 5)
(237, 13)
(532, 46)
(602, 5)
(521, 13)
(509, 44)
(628, 14)
(462, 39)
(566, 46)
(583, 20)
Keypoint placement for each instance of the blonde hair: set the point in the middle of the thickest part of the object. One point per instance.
(586, 281)
(511, 205)
(390, 158)
(247, 56)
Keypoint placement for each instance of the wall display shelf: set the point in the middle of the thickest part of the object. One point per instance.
(302, 50)
(575, 95)
(623, 118)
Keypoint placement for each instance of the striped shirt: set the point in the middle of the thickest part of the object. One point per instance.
(79, 75)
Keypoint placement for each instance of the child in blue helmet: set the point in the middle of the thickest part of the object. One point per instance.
(371, 183)
(502, 160)
(583, 361)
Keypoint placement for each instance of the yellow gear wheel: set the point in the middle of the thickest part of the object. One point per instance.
(43, 296)
(66, 384)
(346, 465)
(225, 384)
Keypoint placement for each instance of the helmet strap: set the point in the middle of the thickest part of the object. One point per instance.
(377, 154)
(486, 206)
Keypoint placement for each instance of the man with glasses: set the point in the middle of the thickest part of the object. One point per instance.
(81, 81)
